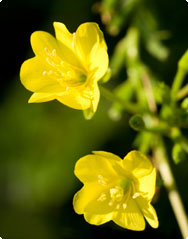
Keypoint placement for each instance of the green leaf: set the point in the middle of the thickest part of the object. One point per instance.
(178, 154)
(184, 103)
(180, 75)
(161, 92)
(148, 27)
(183, 62)
(156, 49)
(175, 116)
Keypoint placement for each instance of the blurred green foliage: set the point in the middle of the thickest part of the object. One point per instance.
(40, 143)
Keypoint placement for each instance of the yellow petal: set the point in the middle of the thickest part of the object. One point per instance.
(102, 203)
(63, 35)
(98, 219)
(107, 155)
(66, 44)
(34, 76)
(81, 97)
(91, 48)
(95, 211)
(73, 98)
(41, 97)
(99, 61)
(130, 217)
(84, 196)
(86, 40)
(148, 211)
(95, 99)
(137, 163)
(43, 43)
(151, 216)
(147, 184)
(47, 47)
(95, 168)
(100, 210)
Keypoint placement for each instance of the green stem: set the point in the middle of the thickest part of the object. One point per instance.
(149, 92)
(182, 93)
(178, 80)
(170, 184)
(129, 107)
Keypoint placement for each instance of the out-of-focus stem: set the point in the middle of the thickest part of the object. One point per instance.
(127, 106)
(149, 92)
(182, 93)
(163, 163)
(178, 80)
(170, 184)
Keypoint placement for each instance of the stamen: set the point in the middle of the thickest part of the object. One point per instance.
(50, 62)
(118, 206)
(117, 193)
(101, 180)
(62, 70)
(102, 197)
(124, 205)
(47, 51)
(136, 195)
(54, 52)
(110, 203)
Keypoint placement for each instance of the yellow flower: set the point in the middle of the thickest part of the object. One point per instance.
(67, 68)
(116, 189)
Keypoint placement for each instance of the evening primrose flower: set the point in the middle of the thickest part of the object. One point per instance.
(116, 189)
(68, 67)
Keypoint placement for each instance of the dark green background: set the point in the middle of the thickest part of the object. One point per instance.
(40, 143)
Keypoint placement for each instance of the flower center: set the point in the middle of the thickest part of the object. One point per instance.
(67, 75)
(120, 194)
(125, 183)
(83, 78)
(117, 193)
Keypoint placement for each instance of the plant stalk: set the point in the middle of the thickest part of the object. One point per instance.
(127, 106)
(182, 93)
(149, 92)
(170, 184)
(178, 80)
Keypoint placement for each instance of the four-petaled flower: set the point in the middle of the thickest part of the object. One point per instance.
(116, 189)
(67, 68)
